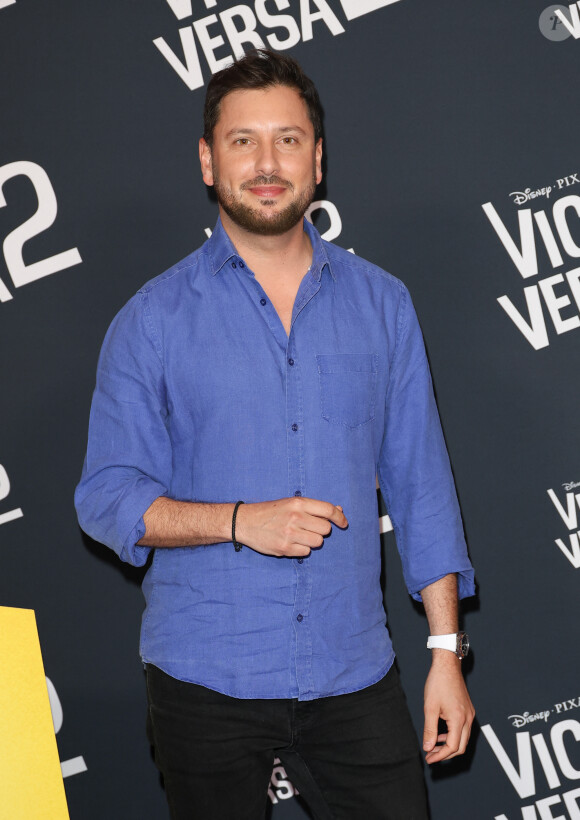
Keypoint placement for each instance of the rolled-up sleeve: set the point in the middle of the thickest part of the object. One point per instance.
(128, 461)
(414, 471)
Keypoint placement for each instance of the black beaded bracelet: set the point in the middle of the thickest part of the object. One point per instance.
(237, 546)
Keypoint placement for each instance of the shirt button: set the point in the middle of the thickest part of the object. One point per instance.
(299, 618)
(291, 362)
(297, 493)
(263, 301)
(295, 427)
(234, 265)
(301, 560)
(241, 264)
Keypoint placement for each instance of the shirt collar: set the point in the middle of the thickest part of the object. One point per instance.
(222, 253)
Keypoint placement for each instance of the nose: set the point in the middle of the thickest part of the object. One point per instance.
(266, 159)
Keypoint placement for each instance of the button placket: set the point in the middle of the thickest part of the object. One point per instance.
(294, 415)
(296, 481)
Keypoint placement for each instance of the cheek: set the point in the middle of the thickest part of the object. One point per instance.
(237, 171)
(298, 169)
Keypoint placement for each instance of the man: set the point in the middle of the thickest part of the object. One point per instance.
(246, 400)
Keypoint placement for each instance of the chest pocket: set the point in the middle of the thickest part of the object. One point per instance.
(348, 385)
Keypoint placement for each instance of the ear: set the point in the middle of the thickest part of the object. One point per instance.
(318, 160)
(205, 162)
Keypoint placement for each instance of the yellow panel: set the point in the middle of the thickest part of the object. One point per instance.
(31, 786)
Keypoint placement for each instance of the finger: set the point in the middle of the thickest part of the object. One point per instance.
(453, 740)
(313, 523)
(439, 752)
(465, 734)
(435, 756)
(441, 738)
(451, 747)
(324, 509)
(295, 551)
(444, 752)
(332, 513)
(430, 730)
(338, 517)
(307, 530)
(308, 538)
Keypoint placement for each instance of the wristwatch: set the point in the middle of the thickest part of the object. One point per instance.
(458, 643)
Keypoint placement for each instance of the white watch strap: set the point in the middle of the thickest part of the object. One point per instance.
(443, 642)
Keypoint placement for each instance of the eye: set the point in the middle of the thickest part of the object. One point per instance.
(242, 141)
(289, 140)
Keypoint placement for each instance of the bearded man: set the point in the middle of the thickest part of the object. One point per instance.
(247, 399)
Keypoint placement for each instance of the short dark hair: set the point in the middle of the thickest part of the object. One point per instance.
(260, 68)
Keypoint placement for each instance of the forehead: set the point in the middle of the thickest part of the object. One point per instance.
(273, 107)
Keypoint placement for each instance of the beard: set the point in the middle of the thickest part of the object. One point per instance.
(259, 221)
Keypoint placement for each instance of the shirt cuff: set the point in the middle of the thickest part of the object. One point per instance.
(132, 552)
(465, 583)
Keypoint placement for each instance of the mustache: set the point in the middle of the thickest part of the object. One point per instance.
(263, 180)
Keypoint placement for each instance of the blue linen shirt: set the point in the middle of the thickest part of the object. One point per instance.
(202, 396)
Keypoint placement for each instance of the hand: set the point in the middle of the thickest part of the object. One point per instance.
(446, 697)
(288, 527)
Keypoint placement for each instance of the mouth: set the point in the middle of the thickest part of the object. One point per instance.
(267, 191)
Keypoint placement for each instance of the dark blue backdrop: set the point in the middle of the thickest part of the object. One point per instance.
(433, 110)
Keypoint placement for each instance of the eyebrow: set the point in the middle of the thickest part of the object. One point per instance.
(280, 130)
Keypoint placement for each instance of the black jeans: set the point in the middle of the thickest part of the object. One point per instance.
(351, 757)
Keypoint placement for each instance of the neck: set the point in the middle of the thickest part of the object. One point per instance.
(287, 254)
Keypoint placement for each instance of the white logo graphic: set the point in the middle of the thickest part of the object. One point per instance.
(4, 3)
(183, 8)
(356, 8)
(550, 24)
(521, 197)
(572, 24)
(552, 750)
(22, 273)
(528, 717)
(385, 524)
(566, 705)
(335, 228)
(522, 720)
(561, 296)
(280, 787)
(226, 35)
(75, 765)
(4, 492)
(570, 485)
(569, 515)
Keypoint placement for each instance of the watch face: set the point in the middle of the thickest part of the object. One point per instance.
(462, 644)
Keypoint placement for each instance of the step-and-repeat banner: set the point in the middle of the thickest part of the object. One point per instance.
(453, 162)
